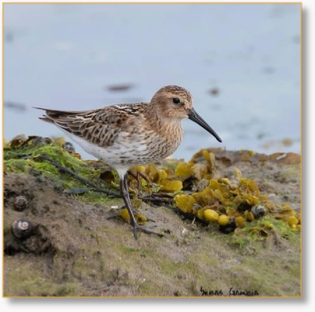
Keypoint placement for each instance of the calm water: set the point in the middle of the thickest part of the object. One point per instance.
(241, 62)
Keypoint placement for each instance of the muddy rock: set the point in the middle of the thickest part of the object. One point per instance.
(82, 248)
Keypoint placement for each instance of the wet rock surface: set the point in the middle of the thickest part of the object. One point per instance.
(77, 248)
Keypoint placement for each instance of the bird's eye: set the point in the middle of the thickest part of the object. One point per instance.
(176, 100)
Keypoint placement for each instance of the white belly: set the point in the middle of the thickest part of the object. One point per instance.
(126, 153)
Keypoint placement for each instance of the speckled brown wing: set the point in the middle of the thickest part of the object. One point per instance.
(100, 126)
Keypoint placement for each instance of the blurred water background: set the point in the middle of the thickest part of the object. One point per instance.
(241, 62)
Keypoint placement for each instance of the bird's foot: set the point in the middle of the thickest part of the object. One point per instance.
(144, 229)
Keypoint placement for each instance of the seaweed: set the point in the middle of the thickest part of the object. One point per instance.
(230, 202)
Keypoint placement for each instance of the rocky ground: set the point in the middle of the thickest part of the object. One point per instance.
(80, 248)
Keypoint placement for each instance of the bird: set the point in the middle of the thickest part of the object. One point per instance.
(127, 135)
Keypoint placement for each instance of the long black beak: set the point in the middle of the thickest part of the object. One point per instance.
(192, 115)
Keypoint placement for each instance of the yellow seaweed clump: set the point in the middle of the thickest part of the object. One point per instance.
(249, 215)
(164, 178)
(292, 221)
(171, 186)
(217, 192)
(224, 201)
(196, 169)
(184, 170)
(287, 214)
(211, 215)
(124, 214)
(247, 192)
(166, 181)
(185, 202)
(240, 222)
(223, 220)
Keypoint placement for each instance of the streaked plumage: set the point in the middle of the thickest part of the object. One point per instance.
(126, 135)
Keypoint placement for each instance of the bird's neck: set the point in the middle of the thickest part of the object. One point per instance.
(166, 127)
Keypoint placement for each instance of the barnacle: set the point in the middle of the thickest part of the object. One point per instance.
(20, 203)
(18, 140)
(22, 228)
(69, 147)
(258, 211)
(37, 140)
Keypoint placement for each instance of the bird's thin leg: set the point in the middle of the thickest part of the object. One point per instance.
(126, 198)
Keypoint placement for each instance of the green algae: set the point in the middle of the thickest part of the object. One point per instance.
(27, 158)
(231, 197)
(90, 257)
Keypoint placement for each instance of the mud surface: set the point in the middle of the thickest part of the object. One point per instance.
(78, 249)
